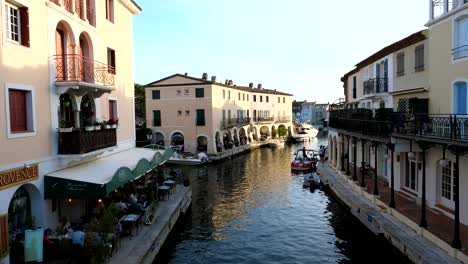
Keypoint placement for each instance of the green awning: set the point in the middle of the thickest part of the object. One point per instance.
(96, 179)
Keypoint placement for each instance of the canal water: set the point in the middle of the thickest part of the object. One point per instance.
(252, 209)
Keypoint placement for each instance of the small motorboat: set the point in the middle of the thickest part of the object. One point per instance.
(304, 132)
(184, 159)
(305, 160)
(311, 180)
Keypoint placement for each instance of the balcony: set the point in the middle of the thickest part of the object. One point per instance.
(362, 121)
(268, 119)
(80, 141)
(460, 52)
(235, 122)
(75, 71)
(375, 86)
(79, 8)
(433, 127)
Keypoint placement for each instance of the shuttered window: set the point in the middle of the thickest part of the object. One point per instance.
(111, 61)
(156, 117)
(18, 110)
(17, 24)
(156, 94)
(199, 92)
(200, 117)
(3, 235)
(354, 87)
(419, 58)
(113, 109)
(110, 10)
(401, 64)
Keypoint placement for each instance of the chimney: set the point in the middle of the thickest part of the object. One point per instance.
(259, 86)
(205, 76)
(230, 82)
(226, 82)
(251, 85)
(186, 74)
(213, 78)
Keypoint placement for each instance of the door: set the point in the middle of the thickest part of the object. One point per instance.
(461, 98)
(446, 185)
(411, 181)
(60, 63)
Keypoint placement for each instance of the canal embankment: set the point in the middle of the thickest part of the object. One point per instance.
(374, 215)
(148, 240)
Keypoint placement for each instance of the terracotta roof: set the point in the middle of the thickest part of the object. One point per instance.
(242, 88)
(403, 43)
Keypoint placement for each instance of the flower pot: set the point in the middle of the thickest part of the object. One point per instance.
(114, 126)
(65, 129)
(89, 128)
(97, 127)
(107, 126)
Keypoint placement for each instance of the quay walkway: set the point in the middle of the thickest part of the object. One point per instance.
(396, 225)
(145, 245)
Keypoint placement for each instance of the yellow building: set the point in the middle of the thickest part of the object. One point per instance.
(64, 65)
(205, 115)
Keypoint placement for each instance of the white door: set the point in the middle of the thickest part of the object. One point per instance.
(412, 175)
(446, 185)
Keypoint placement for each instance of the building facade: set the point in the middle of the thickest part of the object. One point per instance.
(59, 72)
(313, 113)
(204, 115)
(296, 110)
(418, 145)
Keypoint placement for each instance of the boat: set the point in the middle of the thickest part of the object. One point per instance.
(305, 160)
(304, 132)
(188, 159)
(311, 180)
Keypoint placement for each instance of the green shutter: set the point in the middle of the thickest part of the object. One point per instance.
(199, 92)
(200, 117)
(156, 117)
(156, 94)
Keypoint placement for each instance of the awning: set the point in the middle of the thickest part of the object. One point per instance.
(97, 178)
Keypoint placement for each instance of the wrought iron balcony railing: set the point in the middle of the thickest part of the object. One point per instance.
(460, 52)
(451, 127)
(375, 86)
(80, 141)
(73, 67)
(364, 127)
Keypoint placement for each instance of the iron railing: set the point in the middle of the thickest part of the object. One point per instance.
(375, 86)
(73, 67)
(452, 127)
(263, 119)
(364, 127)
(460, 52)
(80, 141)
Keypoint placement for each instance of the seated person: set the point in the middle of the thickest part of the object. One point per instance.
(121, 206)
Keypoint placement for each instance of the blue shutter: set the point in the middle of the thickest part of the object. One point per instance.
(462, 97)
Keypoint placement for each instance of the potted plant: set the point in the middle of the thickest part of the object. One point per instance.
(112, 123)
(65, 126)
(105, 124)
(97, 125)
(89, 126)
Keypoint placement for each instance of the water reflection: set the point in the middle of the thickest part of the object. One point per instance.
(250, 209)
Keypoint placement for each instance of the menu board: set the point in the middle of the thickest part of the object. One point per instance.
(33, 245)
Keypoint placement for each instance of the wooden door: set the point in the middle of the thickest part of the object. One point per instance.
(60, 63)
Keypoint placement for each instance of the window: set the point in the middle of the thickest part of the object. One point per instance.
(419, 58)
(113, 109)
(446, 187)
(279, 99)
(354, 87)
(110, 10)
(247, 98)
(460, 99)
(284, 100)
(156, 117)
(156, 94)
(401, 64)
(261, 98)
(17, 24)
(238, 96)
(248, 113)
(179, 92)
(200, 92)
(255, 98)
(243, 97)
(179, 112)
(20, 110)
(200, 117)
(267, 99)
(187, 112)
(460, 49)
(224, 94)
(186, 91)
(229, 115)
(411, 179)
(111, 60)
(224, 114)
(4, 247)
(229, 94)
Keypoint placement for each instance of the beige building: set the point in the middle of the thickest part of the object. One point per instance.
(201, 114)
(63, 64)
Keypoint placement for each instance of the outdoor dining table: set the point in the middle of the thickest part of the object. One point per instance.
(130, 222)
(163, 190)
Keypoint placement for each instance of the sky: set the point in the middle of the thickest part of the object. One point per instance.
(301, 47)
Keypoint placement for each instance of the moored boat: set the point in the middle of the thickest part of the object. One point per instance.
(304, 160)
(304, 132)
(311, 180)
(184, 159)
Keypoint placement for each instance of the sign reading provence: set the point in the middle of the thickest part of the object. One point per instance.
(17, 176)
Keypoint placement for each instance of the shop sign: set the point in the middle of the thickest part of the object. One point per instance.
(17, 176)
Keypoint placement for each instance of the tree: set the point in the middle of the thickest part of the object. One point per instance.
(140, 115)
(282, 131)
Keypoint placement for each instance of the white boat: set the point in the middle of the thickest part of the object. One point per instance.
(188, 160)
(311, 180)
(304, 132)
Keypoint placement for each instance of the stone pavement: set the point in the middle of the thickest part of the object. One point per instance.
(373, 214)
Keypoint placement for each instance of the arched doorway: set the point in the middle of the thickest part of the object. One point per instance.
(219, 144)
(227, 140)
(236, 138)
(159, 138)
(242, 136)
(177, 139)
(282, 131)
(66, 111)
(85, 59)
(274, 132)
(202, 144)
(87, 111)
(254, 133)
(264, 133)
